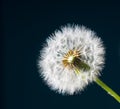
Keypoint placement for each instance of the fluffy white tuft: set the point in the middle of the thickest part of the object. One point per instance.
(50, 64)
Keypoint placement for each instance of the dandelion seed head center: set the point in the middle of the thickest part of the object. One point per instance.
(70, 58)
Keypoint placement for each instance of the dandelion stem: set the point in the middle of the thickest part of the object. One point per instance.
(108, 89)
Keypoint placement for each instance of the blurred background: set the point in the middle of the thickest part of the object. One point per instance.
(27, 24)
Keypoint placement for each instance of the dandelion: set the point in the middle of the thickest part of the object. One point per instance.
(72, 58)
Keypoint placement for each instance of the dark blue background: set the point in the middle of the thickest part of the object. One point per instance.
(26, 25)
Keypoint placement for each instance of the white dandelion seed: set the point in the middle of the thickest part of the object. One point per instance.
(72, 58)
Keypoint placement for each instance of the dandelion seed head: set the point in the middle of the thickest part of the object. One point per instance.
(68, 49)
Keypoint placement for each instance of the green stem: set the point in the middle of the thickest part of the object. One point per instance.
(108, 89)
(81, 65)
